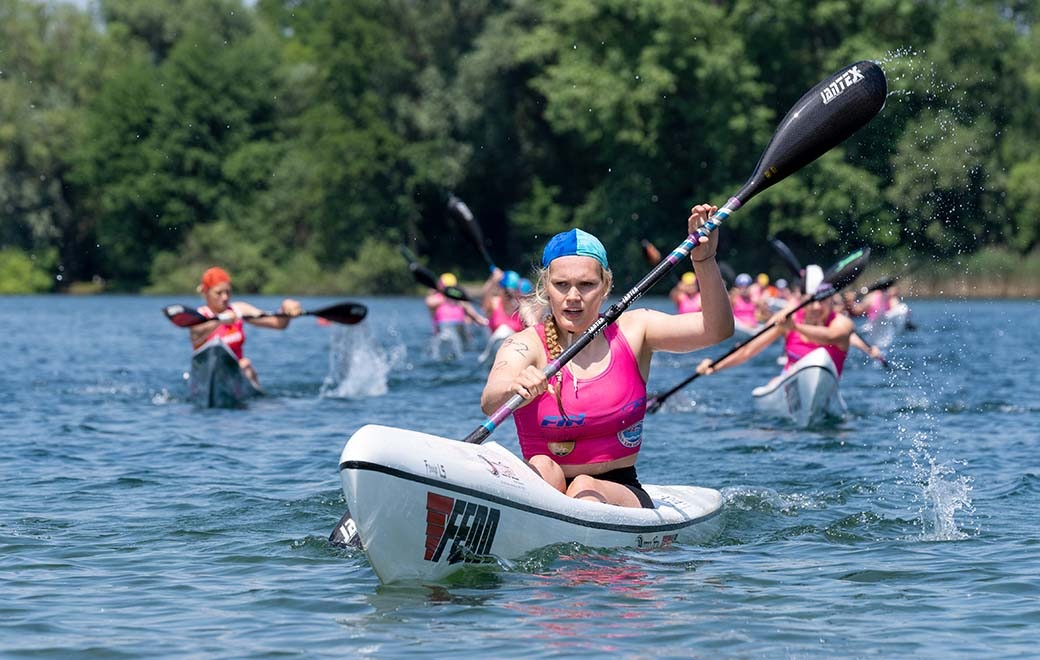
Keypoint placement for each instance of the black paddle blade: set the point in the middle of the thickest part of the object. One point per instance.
(842, 274)
(472, 226)
(344, 534)
(347, 313)
(883, 283)
(460, 208)
(788, 256)
(456, 293)
(823, 118)
(184, 317)
(424, 275)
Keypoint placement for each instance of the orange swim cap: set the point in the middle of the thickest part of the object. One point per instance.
(213, 277)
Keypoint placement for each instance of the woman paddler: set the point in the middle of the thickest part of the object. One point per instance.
(814, 326)
(451, 317)
(686, 294)
(227, 323)
(582, 430)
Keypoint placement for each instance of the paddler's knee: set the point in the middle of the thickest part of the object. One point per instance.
(550, 471)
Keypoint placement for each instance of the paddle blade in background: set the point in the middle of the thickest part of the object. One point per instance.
(469, 222)
(843, 273)
(347, 313)
(823, 118)
(883, 283)
(184, 317)
(424, 275)
(789, 259)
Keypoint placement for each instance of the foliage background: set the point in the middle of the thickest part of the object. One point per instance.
(298, 143)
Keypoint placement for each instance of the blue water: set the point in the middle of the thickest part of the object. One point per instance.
(134, 524)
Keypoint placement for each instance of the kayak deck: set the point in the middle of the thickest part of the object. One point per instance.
(425, 506)
(807, 393)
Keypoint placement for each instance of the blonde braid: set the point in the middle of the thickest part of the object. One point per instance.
(552, 337)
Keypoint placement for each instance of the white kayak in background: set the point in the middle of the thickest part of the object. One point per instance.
(216, 380)
(881, 330)
(747, 328)
(425, 506)
(806, 393)
(500, 334)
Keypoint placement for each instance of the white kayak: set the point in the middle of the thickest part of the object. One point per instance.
(216, 380)
(807, 393)
(746, 328)
(494, 342)
(883, 329)
(425, 506)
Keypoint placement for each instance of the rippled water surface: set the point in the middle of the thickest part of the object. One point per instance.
(134, 524)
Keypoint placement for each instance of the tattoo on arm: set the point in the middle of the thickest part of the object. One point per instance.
(520, 347)
(499, 365)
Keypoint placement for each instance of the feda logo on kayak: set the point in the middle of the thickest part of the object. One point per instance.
(469, 527)
(563, 422)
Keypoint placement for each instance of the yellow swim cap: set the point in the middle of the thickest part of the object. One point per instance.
(448, 279)
(688, 278)
(763, 279)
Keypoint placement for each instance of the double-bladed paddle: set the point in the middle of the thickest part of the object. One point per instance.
(837, 278)
(824, 117)
(428, 278)
(347, 313)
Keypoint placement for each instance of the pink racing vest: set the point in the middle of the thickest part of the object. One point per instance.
(744, 310)
(604, 414)
(687, 303)
(878, 305)
(448, 312)
(233, 335)
(798, 347)
(498, 317)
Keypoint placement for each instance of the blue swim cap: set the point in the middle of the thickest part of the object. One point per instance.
(525, 287)
(743, 280)
(510, 279)
(574, 243)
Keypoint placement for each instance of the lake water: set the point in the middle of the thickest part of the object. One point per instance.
(137, 525)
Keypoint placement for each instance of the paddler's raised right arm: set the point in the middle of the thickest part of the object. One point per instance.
(516, 371)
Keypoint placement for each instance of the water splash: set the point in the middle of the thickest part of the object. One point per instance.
(943, 493)
(358, 365)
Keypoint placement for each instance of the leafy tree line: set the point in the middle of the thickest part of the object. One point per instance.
(298, 142)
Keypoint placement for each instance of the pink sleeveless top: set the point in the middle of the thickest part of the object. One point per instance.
(498, 317)
(448, 312)
(878, 305)
(604, 414)
(234, 335)
(744, 310)
(797, 347)
(687, 303)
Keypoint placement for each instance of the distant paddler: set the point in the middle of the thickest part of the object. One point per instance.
(451, 317)
(229, 317)
(501, 296)
(815, 326)
(686, 294)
